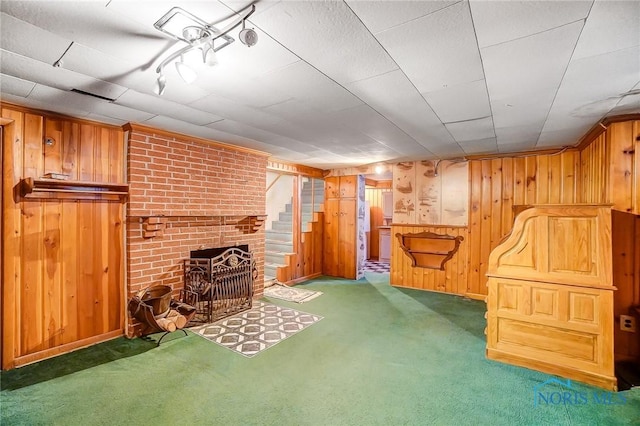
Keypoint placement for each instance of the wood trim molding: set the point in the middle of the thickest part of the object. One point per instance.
(51, 115)
(290, 168)
(139, 128)
(519, 154)
(601, 126)
(58, 350)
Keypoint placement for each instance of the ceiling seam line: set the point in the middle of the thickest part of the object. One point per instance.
(409, 80)
(539, 32)
(356, 96)
(412, 19)
(484, 74)
(555, 95)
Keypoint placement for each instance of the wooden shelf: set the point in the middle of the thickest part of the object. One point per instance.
(57, 189)
(429, 250)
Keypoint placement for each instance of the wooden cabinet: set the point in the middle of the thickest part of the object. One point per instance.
(385, 244)
(340, 227)
(550, 308)
(341, 186)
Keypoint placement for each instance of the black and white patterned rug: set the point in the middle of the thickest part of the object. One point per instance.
(378, 267)
(252, 331)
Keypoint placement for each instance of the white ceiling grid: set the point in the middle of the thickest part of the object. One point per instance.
(339, 83)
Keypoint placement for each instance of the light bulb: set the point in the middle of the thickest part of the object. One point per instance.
(186, 72)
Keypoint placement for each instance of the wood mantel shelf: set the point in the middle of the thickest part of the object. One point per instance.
(429, 250)
(43, 189)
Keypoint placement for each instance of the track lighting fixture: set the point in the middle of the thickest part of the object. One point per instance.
(203, 41)
(248, 36)
(161, 83)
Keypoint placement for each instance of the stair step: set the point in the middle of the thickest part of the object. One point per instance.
(288, 216)
(279, 246)
(274, 258)
(276, 235)
(281, 226)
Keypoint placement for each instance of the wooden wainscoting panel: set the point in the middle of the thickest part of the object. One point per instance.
(64, 259)
(454, 277)
(499, 184)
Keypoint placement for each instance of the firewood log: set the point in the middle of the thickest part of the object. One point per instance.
(179, 320)
(166, 324)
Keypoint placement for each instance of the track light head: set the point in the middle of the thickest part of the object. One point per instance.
(161, 84)
(186, 72)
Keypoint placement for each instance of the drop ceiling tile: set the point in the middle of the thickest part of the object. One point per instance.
(249, 92)
(382, 15)
(329, 36)
(44, 106)
(369, 122)
(627, 105)
(530, 64)
(60, 78)
(266, 56)
(516, 147)
(18, 37)
(481, 128)
(595, 84)
(612, 25)
(178, 126)
(160, 106)
(522, 110)
(499, 21)
(88, 103)
(250, 116)
(15, 86)
(464, 101)
(565, 136)
(101, 66)
(93, 25)
(438, 50)
(445, 151)
(146, 13)
(393, 96)
(526, 73)
(518, 135)
(234, 127)
(328, 98)
(481, 146)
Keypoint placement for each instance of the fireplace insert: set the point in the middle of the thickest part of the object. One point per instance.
(219, 282)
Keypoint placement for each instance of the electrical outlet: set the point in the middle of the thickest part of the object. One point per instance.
(628, 323)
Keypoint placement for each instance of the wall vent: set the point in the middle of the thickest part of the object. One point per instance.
(82, 92)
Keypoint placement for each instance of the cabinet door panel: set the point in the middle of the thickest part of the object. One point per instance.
(331, 237)
(347, 232)
(348, 186)
(332, 187)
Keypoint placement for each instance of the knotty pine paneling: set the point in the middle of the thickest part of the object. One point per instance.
(63, 260)
(623, 140)
(496, 185)
(452, 280)
(594, 166)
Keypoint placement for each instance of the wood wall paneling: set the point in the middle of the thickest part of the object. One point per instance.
(499, 184)
(452, 280)
(63, 264)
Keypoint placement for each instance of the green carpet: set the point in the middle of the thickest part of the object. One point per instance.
(380, 356)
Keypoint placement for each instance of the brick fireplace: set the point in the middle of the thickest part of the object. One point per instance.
(188, 194)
